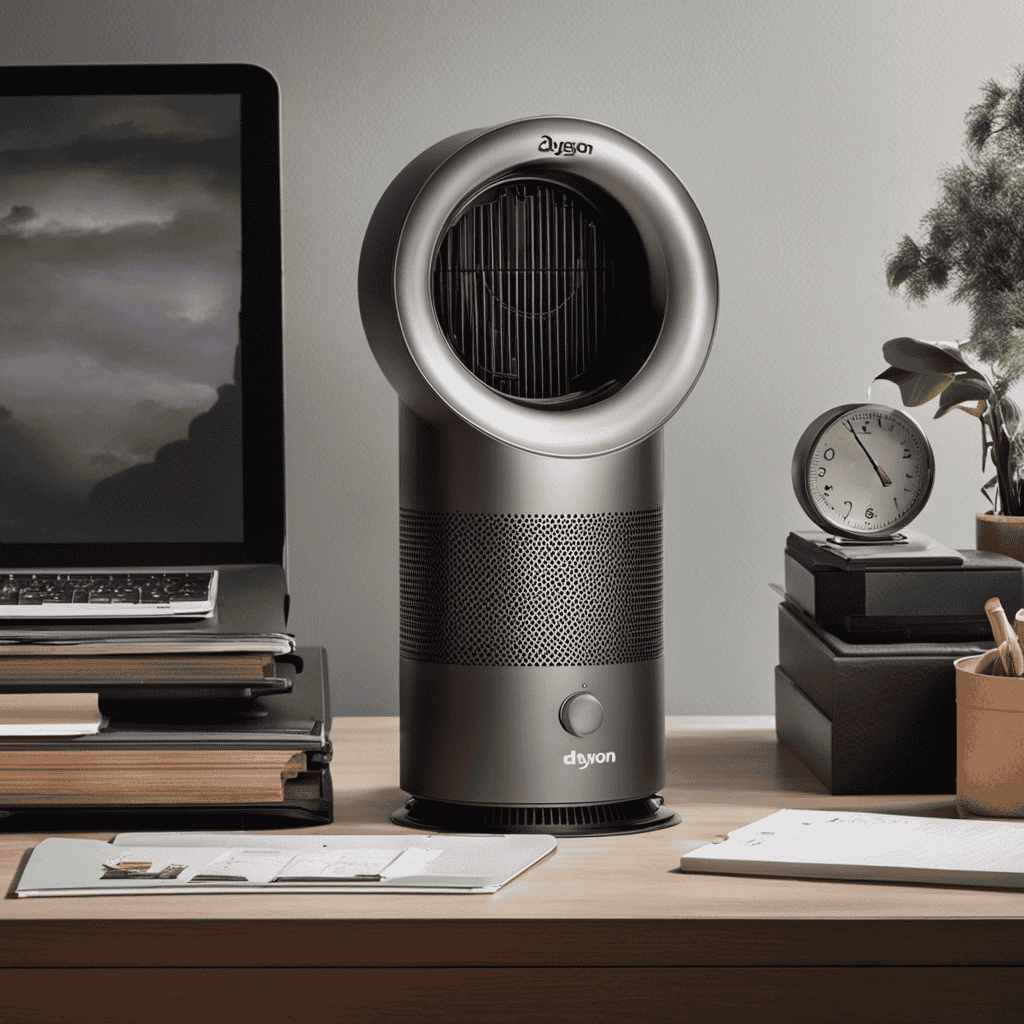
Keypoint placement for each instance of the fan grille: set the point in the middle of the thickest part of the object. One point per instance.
(524, 289)
(568, 589)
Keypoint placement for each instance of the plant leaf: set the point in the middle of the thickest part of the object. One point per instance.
(990, 498)
(1010, 412)
(963, 390)
(916, 388)
(977, 410)
(927, 357)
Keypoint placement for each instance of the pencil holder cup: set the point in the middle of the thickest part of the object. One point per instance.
(989, 742)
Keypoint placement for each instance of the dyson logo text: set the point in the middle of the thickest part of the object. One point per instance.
(582, 760)
(563, 148)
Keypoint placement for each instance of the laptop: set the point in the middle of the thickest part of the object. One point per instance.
(141, 379)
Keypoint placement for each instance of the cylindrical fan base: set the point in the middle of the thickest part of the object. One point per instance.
(621, 818)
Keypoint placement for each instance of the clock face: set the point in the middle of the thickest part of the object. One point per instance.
(863, 470)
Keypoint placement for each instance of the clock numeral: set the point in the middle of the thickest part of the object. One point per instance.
(828, 454)
(869, 514)
(849, 509)
(821, 471)
(907, 454)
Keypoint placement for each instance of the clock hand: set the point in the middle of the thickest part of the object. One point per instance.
(882, 475)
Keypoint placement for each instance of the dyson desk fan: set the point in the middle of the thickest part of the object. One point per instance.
(542, 296)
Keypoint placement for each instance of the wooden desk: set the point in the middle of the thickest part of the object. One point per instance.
(606, 929)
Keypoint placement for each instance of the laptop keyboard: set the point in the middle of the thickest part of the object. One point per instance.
(103, 595)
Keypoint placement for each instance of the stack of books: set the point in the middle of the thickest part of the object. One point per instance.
(110, 727)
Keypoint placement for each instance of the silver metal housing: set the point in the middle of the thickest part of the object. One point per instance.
(531, 529)
(527, 579)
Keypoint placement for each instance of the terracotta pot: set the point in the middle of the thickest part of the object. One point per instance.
(989, 742)
(1002, 534)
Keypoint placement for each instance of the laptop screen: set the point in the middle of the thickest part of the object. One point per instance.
(141, 402)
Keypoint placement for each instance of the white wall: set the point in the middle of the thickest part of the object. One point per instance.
(809, 134)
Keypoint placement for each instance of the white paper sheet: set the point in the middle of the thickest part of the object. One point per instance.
(865, 845)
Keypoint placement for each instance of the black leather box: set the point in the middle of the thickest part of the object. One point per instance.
(895, 601)
(868, 718)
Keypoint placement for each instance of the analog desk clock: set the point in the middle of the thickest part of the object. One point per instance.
(863, 472)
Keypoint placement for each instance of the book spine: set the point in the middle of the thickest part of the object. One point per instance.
(199, 761)
(127, 667)
(18, 788)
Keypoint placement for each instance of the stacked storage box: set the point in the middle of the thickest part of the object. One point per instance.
(868, 701)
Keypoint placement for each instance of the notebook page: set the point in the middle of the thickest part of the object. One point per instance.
(852, 839)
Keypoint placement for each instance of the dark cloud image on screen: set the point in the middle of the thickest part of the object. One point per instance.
(189, 492)
(120, 238)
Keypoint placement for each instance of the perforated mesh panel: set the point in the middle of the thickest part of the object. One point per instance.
(567, 589)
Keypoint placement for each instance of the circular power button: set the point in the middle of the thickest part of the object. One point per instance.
(581, 714)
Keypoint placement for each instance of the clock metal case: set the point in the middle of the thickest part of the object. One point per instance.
(806, 445)
(530, 562)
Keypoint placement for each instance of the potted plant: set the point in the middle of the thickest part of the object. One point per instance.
(972, 244)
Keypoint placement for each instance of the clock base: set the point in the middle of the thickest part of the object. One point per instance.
(912, 551)
(896, 538)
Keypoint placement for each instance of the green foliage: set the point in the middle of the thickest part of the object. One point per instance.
(972, 242)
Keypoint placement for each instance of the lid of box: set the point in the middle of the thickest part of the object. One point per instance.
(917, 648)
(815, 551)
